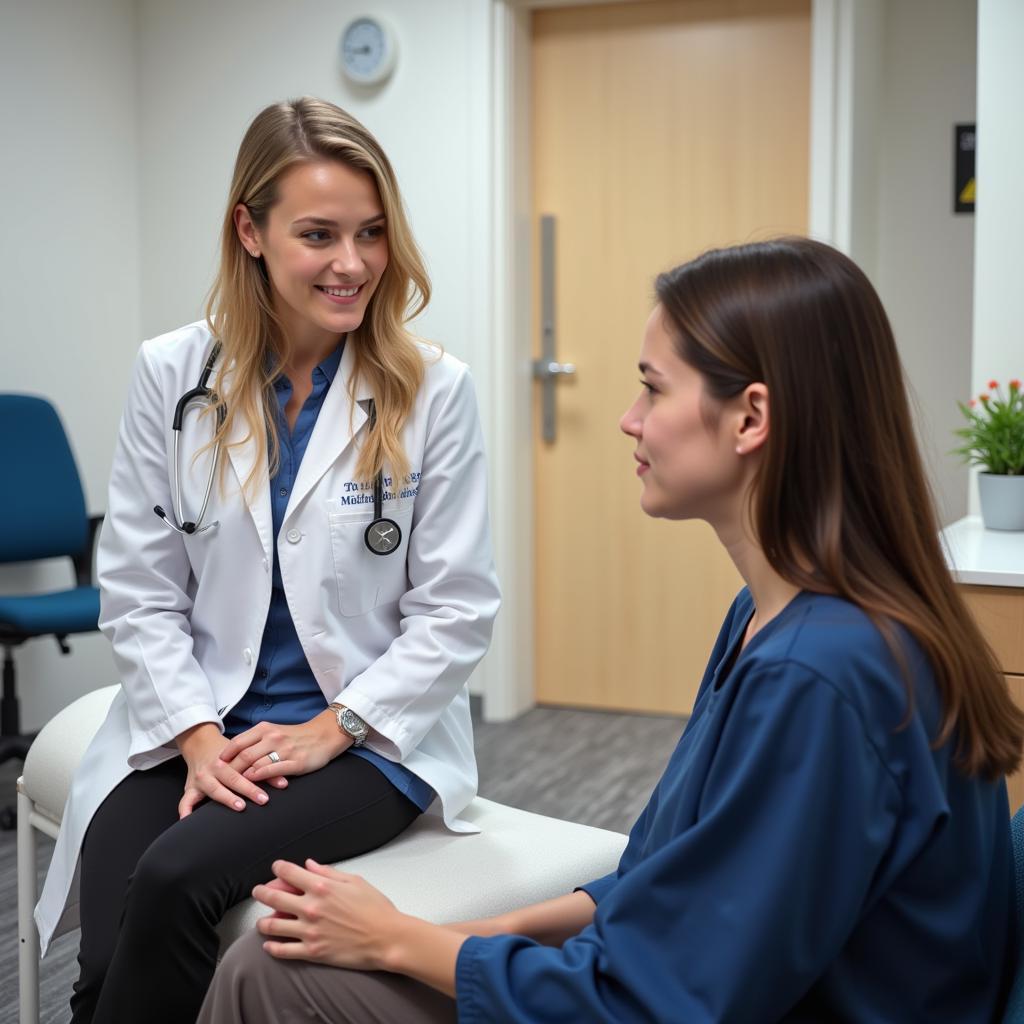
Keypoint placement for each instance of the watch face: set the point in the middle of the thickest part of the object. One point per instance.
(352, 723)
(383, 536)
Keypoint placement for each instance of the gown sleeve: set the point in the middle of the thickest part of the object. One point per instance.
(601, 887)
(731, 916)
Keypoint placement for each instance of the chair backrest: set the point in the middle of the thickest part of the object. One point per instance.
(1015, 1007)
(42, 512)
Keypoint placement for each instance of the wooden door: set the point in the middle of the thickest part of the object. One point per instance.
(660, 129)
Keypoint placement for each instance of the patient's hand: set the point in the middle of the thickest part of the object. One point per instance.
(282, 886)
(325, 915)
(330, 917)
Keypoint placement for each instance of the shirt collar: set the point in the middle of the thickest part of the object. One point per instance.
(328, 367)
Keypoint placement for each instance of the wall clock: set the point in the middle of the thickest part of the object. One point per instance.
(368, 50)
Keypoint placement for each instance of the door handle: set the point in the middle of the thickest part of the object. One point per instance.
(547, 369)
(542, 370)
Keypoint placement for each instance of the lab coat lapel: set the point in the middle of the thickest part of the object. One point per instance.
(242, 456)
(331, 434)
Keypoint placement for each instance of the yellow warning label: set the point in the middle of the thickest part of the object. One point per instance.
(967, 192)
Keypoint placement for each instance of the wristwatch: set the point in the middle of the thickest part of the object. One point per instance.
(349, 722)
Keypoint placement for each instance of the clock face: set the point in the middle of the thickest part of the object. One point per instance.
(367, 50)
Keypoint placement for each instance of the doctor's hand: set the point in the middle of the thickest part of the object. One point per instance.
(208, 776)
(300, 749)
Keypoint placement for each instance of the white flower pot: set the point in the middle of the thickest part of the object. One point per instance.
(1002, 501)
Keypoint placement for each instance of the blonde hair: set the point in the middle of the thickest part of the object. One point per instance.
(240, 313)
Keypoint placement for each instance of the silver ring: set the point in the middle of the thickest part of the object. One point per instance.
(274, 757)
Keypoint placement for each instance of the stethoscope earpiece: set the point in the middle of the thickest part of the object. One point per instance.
(188, 529)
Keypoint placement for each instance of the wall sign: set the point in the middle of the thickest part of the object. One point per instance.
(963, 168)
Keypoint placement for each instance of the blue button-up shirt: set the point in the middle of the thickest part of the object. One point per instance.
(284, 689)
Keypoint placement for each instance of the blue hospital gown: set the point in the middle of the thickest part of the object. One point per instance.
(802, 858)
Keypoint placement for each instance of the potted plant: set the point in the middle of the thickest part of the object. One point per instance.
(994, 440)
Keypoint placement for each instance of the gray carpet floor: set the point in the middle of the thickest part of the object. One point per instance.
(585, 766)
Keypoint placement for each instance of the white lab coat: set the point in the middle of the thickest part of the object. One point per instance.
(394, 637)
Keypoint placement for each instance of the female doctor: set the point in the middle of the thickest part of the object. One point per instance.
(296, 576)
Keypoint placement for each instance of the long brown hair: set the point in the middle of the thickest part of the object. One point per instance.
(240, 310)
(841, 504)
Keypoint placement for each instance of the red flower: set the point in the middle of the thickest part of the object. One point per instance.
(985, 398)
(972, 403)
(1015, 384)
(993, 384)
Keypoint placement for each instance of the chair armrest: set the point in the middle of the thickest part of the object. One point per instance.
(83, 560)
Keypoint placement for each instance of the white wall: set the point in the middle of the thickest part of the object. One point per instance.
(891, 78)
(924, 263)
(69, 281)
(864, 39)
(998, 323)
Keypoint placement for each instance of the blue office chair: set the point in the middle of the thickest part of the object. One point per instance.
(42, 515)
(1015, 1006)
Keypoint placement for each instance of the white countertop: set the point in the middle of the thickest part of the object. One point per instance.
(993, 558)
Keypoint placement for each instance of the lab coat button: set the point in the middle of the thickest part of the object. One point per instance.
(247, 655)
(294, 536)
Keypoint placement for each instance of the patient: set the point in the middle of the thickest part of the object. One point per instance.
(830, 839)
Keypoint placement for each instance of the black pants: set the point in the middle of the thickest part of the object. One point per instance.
(154, 888)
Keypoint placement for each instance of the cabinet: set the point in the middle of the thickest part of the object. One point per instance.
(999, 612)
(989, 567)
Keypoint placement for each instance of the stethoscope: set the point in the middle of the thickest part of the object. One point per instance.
(202, 392)
(382, 536)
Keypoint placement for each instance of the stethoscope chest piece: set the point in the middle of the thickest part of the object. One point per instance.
(383, 536)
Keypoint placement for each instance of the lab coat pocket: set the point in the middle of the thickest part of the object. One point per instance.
(366, 580)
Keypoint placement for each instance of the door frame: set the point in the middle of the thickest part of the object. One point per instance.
(844, 41)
